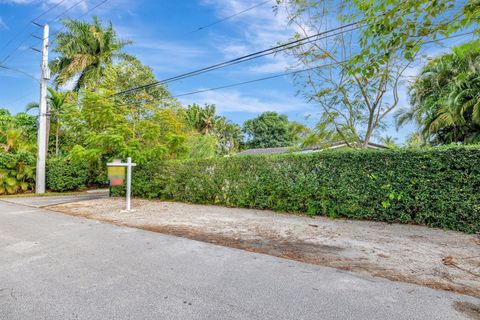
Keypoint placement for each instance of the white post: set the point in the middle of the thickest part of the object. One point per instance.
(129, 182)
(42, 118)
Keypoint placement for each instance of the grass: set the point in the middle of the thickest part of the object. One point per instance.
(47, 194)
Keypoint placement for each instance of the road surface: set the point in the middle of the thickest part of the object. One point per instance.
(54, 266)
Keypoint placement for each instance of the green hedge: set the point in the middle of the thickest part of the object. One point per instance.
(435, 187)
(66, 175)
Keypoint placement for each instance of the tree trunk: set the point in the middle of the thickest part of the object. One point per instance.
(368, 134)
(57, 134)
(48, 130)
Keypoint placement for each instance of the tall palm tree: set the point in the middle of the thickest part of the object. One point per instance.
(209, 119)
(202, 119)
(85, 50)
(445, 98)
(56, 102)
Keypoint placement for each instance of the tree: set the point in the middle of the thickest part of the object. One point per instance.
(445, 98)
(85, 50)
(229, 136)
(354, 75)
(268, 130)
(21, 122)
(56, 101)
(298, 131)
(205, 121)
(140, 104)
(202, 119)
(17, 152)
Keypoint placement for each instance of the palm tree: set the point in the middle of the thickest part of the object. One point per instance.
(209, 119)
(55, 108)
(193, 117)
(56, 102)
(229, 135)
(202, 119)
(445, 98)
(12, 139)
(84, 52)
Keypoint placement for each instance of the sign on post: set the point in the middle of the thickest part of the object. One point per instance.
(116, 175)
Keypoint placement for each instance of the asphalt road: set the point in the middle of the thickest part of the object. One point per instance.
(54, 266)
(53, 200)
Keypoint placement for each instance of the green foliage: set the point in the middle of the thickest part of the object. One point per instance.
(434, 187)
(270, 130)
(17, 172)
(361, 67)
(66, 175)
(22, 122)
(445, 98)
(405, 26)
(201, 146)
(17, 152)
(85, 50)
(205, 121)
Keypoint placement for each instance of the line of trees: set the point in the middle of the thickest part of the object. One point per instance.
(89, 125)
(89, 128)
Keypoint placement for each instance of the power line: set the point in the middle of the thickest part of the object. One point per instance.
(249, 81)
(19, 71)
(283, 48)
(263, 53)
(66, 11)
(293, 72)
(24, 97)
(56, 32)
(23, 52)
(33, 21)
(228, 17)
(247, 57)
(28, 24)
(45, 12)
(59, 30)
(257, 80)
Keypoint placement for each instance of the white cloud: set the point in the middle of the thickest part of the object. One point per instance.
(258, 29)
(170, 49)
(17, 1)
(3, 25)
(234, 101)
(162, 56)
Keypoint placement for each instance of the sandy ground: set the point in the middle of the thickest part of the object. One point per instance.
(430, 257)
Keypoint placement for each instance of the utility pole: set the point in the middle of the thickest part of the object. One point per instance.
(42, 142)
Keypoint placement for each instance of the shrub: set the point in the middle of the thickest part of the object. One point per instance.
(435, 187)
(17, 172)
(66, 175)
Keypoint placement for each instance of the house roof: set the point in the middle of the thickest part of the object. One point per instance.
(332, 145)
(339, 144)
(265, 151)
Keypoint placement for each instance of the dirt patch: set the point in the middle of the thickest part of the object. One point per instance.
(434, 258)
(469, 309)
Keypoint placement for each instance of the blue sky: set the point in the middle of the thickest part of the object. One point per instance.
(160, 31)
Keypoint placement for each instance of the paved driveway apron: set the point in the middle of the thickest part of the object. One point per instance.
(54, 266)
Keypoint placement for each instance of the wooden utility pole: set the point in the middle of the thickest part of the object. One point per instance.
(42, 142)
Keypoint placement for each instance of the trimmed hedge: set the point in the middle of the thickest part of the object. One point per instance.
(66, 175)
(435, 187)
